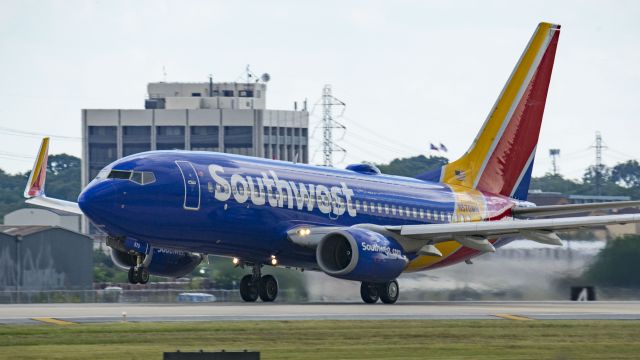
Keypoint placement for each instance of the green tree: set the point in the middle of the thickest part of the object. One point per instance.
(627, 174)
(554, 183)
(617, 264)
(63, 177)
(412, 166)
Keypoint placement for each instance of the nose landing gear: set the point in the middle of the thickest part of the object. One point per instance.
(255, 285)
(139, 274)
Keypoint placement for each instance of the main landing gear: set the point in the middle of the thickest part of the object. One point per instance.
(138, 274)
(255, 285)
(388, 292)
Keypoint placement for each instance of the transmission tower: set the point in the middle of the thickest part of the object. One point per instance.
(598, 169)
(554, 153)
(328, 124)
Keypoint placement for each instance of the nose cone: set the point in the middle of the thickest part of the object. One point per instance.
(98, 201)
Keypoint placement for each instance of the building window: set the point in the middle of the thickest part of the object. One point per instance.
(238, 140)
(227, 93)
(245, 93)
(196, 94)
(103, 148)
(170, 138)
(204, 138)
(135, 139)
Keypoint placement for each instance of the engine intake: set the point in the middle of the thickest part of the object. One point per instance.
(360, 254)
(163, 262)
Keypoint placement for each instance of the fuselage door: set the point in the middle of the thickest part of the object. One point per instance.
(191, 185)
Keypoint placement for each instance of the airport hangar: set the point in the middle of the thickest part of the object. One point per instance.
(207, 116)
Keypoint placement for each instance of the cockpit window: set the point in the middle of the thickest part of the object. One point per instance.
(138, 177)
(119, 174)
(143, 177)
(148, 177)
(102, 174)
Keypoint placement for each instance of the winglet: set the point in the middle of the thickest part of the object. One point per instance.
(35, 185)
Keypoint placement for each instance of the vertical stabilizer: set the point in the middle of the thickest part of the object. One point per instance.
(500, 159)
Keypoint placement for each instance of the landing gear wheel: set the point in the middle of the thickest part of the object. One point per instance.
(268, 288)
(369, 292)
(133, 275)
(389, 292)
(143, 275)
(248, 289)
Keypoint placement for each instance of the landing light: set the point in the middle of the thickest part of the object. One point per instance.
(304, 231)
(235, 261)
(274, 261)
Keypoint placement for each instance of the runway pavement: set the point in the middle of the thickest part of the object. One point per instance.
(61, 314)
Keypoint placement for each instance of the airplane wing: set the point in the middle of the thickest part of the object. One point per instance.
(554, 210)
(474, 235)
(34, 191)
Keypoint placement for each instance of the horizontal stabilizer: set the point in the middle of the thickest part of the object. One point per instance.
(553, 210)
(55, 204)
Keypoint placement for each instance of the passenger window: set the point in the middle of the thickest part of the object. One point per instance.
(400, 211)
(386, 208)
(380, 208)
(421, 214)
(393, 209)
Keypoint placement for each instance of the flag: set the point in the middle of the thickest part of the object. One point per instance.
(443, 148)
(433, 147)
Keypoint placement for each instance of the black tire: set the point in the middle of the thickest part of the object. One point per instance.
(248, 289)
(143, 275)
(369, 292)
(389, 292)
(268, 288)
(133, 275)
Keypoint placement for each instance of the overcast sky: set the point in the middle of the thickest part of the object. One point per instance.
(411, 72)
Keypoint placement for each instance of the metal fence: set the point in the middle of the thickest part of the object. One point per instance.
(130, 296)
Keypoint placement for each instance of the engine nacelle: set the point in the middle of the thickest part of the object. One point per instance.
(360, 254)
(160, 261)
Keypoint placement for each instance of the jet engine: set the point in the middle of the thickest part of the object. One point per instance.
(162, 262)
(361, 255)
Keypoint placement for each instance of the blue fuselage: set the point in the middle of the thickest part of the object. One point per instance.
(239, 206)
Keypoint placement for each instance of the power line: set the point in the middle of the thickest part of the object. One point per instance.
(15, 132)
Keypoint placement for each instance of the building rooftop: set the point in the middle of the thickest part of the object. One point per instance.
(25, 230)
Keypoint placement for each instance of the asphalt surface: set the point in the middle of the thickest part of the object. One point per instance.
(61, 314)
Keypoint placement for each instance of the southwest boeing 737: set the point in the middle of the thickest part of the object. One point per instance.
(165, 211)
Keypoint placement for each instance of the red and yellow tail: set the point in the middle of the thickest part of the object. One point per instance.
(501, 157)
(35, 185)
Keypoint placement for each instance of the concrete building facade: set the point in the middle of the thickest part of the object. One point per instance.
(222, 117)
